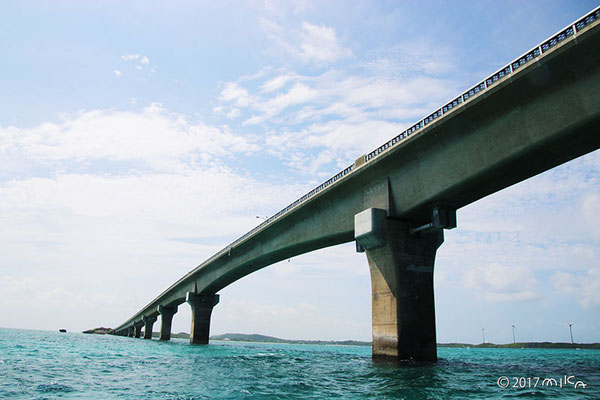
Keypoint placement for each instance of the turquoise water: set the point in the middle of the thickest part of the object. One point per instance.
(50, 365)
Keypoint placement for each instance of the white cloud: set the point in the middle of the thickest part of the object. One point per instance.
(584, 288)
(153, 136)
(320, 44)
(316, 44)
(141, 62)
(112, 220)
(298, 94)
(130, 57)
(276, 83)
(496, 282)
(148, 198)
(234, 113)
(339, 142)
(118, 73)
(337, 114)
(232, 92)
(333, 94)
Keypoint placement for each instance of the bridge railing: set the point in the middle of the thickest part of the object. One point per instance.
(526, 58)
(506, 71)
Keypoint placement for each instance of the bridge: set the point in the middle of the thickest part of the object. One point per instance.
(537, 112)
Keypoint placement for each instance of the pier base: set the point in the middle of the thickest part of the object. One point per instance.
(202, 305)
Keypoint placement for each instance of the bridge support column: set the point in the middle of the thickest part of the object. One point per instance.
(202, 305)
(166, 318)
(138, 329)
(401, 266)
(130, 331)
(148, 324)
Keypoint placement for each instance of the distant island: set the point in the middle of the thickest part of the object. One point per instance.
(244, 337)
(526, 345)
(99, 331)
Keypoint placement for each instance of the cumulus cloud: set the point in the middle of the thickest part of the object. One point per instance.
(118, 73)
(153, 136)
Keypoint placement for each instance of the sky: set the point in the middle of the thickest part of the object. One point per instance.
(139, 138)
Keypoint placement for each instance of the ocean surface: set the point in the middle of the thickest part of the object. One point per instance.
(52, 365)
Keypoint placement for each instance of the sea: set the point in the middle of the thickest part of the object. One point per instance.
(53, 365)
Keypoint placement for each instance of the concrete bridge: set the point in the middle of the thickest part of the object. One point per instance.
(539, 111)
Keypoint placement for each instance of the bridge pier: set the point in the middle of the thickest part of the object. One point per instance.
(202, 305)
(148, 324)
(401, 267)
(130, 331)
(166, 319)
(137, 326)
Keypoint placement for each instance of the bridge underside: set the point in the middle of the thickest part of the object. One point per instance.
(524, 124)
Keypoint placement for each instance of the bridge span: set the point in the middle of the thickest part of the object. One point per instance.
(539, 111)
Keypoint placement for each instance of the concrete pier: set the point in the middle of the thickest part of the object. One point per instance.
(148, 324)
(202, 305)
(130, 331)
(138, 329)
(166, 318)
(401, 266)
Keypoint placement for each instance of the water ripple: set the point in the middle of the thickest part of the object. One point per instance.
(99, 367)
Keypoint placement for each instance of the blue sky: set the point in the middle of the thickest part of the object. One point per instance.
(139, 138)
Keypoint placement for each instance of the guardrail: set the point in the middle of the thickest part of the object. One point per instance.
(449, 107)
(534, 53)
